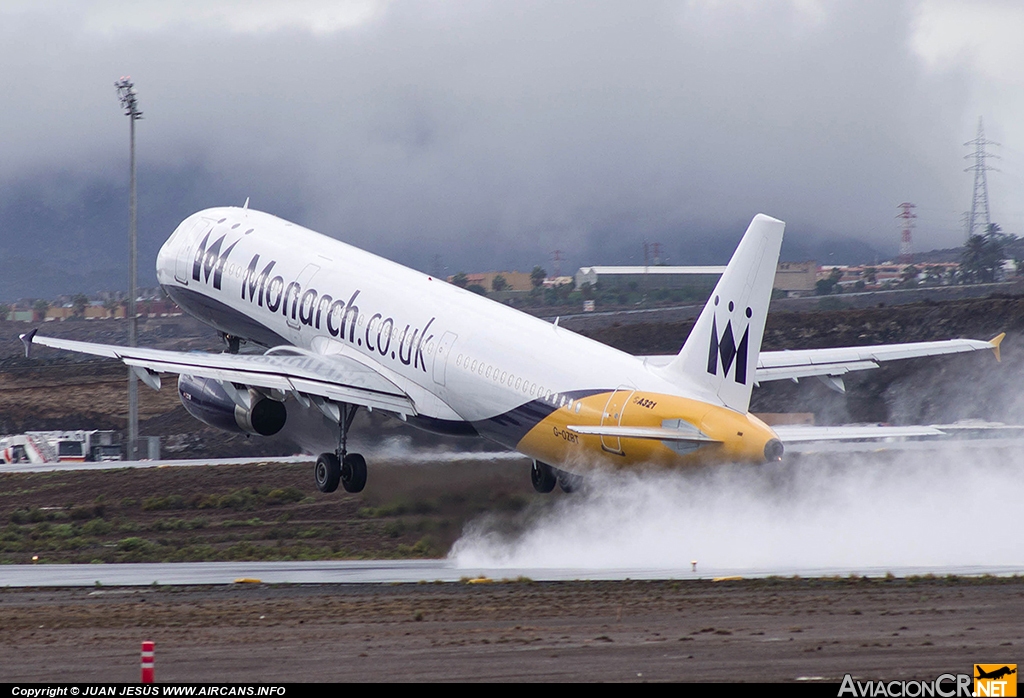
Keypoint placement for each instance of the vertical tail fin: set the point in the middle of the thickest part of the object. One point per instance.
(720, 355)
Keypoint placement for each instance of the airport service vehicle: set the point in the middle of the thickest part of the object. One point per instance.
(345, 329)
(74, 446)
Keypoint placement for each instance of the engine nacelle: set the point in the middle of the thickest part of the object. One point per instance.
(206, 400)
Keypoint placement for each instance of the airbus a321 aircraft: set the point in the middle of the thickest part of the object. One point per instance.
(345, 329)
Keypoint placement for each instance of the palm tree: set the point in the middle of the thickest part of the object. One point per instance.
(537, 276)
(39, 308)
(983, 255)
(111, 305)
(79, 302)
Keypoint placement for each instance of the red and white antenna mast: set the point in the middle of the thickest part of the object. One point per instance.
(556, 257)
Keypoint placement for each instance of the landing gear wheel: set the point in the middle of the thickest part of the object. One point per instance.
(327, 472)
(353, 473)
(569, 482)
(543, 477)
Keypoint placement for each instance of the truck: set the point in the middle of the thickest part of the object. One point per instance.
(74, 446)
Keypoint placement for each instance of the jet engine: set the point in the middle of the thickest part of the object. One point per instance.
(209, 402)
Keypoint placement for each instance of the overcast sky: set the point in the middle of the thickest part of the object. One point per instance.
(484, 135)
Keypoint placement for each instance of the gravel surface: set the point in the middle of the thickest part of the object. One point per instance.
(767, 630)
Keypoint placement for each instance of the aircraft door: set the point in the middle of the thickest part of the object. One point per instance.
(614, 409)
(444, 348)
(183, 265)
(293, 302)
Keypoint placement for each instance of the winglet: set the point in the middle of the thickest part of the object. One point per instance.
(26, 339)
(995, 342)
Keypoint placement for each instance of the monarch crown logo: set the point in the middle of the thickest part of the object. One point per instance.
(211, 261)
(726, 348)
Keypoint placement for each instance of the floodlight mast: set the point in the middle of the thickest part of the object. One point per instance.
(129, 102)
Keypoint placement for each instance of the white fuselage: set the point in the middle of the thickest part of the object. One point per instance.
(460, 357)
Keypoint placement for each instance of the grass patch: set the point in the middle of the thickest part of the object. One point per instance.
(244, 499)
(228, 513)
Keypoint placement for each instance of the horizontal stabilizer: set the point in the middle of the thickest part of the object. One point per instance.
(656, 433)
(792, 433)
(981, 427)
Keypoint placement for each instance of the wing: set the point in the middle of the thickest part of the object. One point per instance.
(835, 363)
(779, 365)
(286, 369)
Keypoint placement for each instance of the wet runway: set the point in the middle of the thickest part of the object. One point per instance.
(892, 446)
(116, 464)
(920, 515)
(384, 455)
(412, 571)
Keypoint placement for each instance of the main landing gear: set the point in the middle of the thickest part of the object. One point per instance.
(350, 472)
(348, 469)
(569, 482)
(544, 478)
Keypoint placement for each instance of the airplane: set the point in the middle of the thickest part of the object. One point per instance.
(345, 330)
(994, 674)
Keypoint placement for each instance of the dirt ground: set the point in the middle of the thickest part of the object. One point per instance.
(251, 512)
(769, 630)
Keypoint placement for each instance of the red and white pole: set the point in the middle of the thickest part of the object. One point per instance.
(147, 662)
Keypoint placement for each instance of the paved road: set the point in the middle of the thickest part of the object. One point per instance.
(868, 299)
